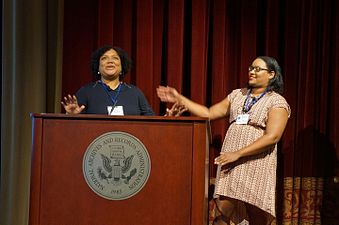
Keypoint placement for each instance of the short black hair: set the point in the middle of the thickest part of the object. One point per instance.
(126, 61)
(276, 83)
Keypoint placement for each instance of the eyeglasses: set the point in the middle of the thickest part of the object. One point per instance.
(256, 69)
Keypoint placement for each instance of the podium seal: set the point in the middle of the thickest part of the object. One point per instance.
(116, 165)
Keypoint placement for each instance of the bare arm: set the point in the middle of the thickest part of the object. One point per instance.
(219, 110)
(277, 120)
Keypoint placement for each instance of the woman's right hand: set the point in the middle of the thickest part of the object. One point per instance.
(71, 105)
(168, 94)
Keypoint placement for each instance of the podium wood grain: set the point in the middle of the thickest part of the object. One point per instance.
(176, 190)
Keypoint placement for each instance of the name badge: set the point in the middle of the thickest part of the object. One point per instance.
(242, 119)
(116, 111)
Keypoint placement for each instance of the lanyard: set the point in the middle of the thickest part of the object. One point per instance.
(248, 104)
(114, 99)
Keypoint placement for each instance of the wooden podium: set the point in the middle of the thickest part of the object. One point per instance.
(175, 192)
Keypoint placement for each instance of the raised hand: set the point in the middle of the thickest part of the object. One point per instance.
(176, 110)
(168, 94)
(71, 105)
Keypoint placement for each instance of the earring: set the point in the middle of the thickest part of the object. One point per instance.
(98, 72)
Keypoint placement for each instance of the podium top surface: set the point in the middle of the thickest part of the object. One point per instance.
(108, 117)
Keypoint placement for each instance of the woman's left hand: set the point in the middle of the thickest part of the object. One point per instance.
(226, 158)
(176, 110)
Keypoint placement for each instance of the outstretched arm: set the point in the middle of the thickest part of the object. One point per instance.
(169, 94)
(71, 105)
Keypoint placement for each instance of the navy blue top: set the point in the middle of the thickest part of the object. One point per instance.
(95, 96)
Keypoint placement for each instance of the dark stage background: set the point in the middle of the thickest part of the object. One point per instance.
(204, 47)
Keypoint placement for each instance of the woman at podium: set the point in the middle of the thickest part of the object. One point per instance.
(108, 94)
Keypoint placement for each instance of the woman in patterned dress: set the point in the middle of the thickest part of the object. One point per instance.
(258, 114)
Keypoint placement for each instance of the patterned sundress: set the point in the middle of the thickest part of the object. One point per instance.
(251, 179)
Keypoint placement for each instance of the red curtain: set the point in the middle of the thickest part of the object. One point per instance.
(203, 48)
